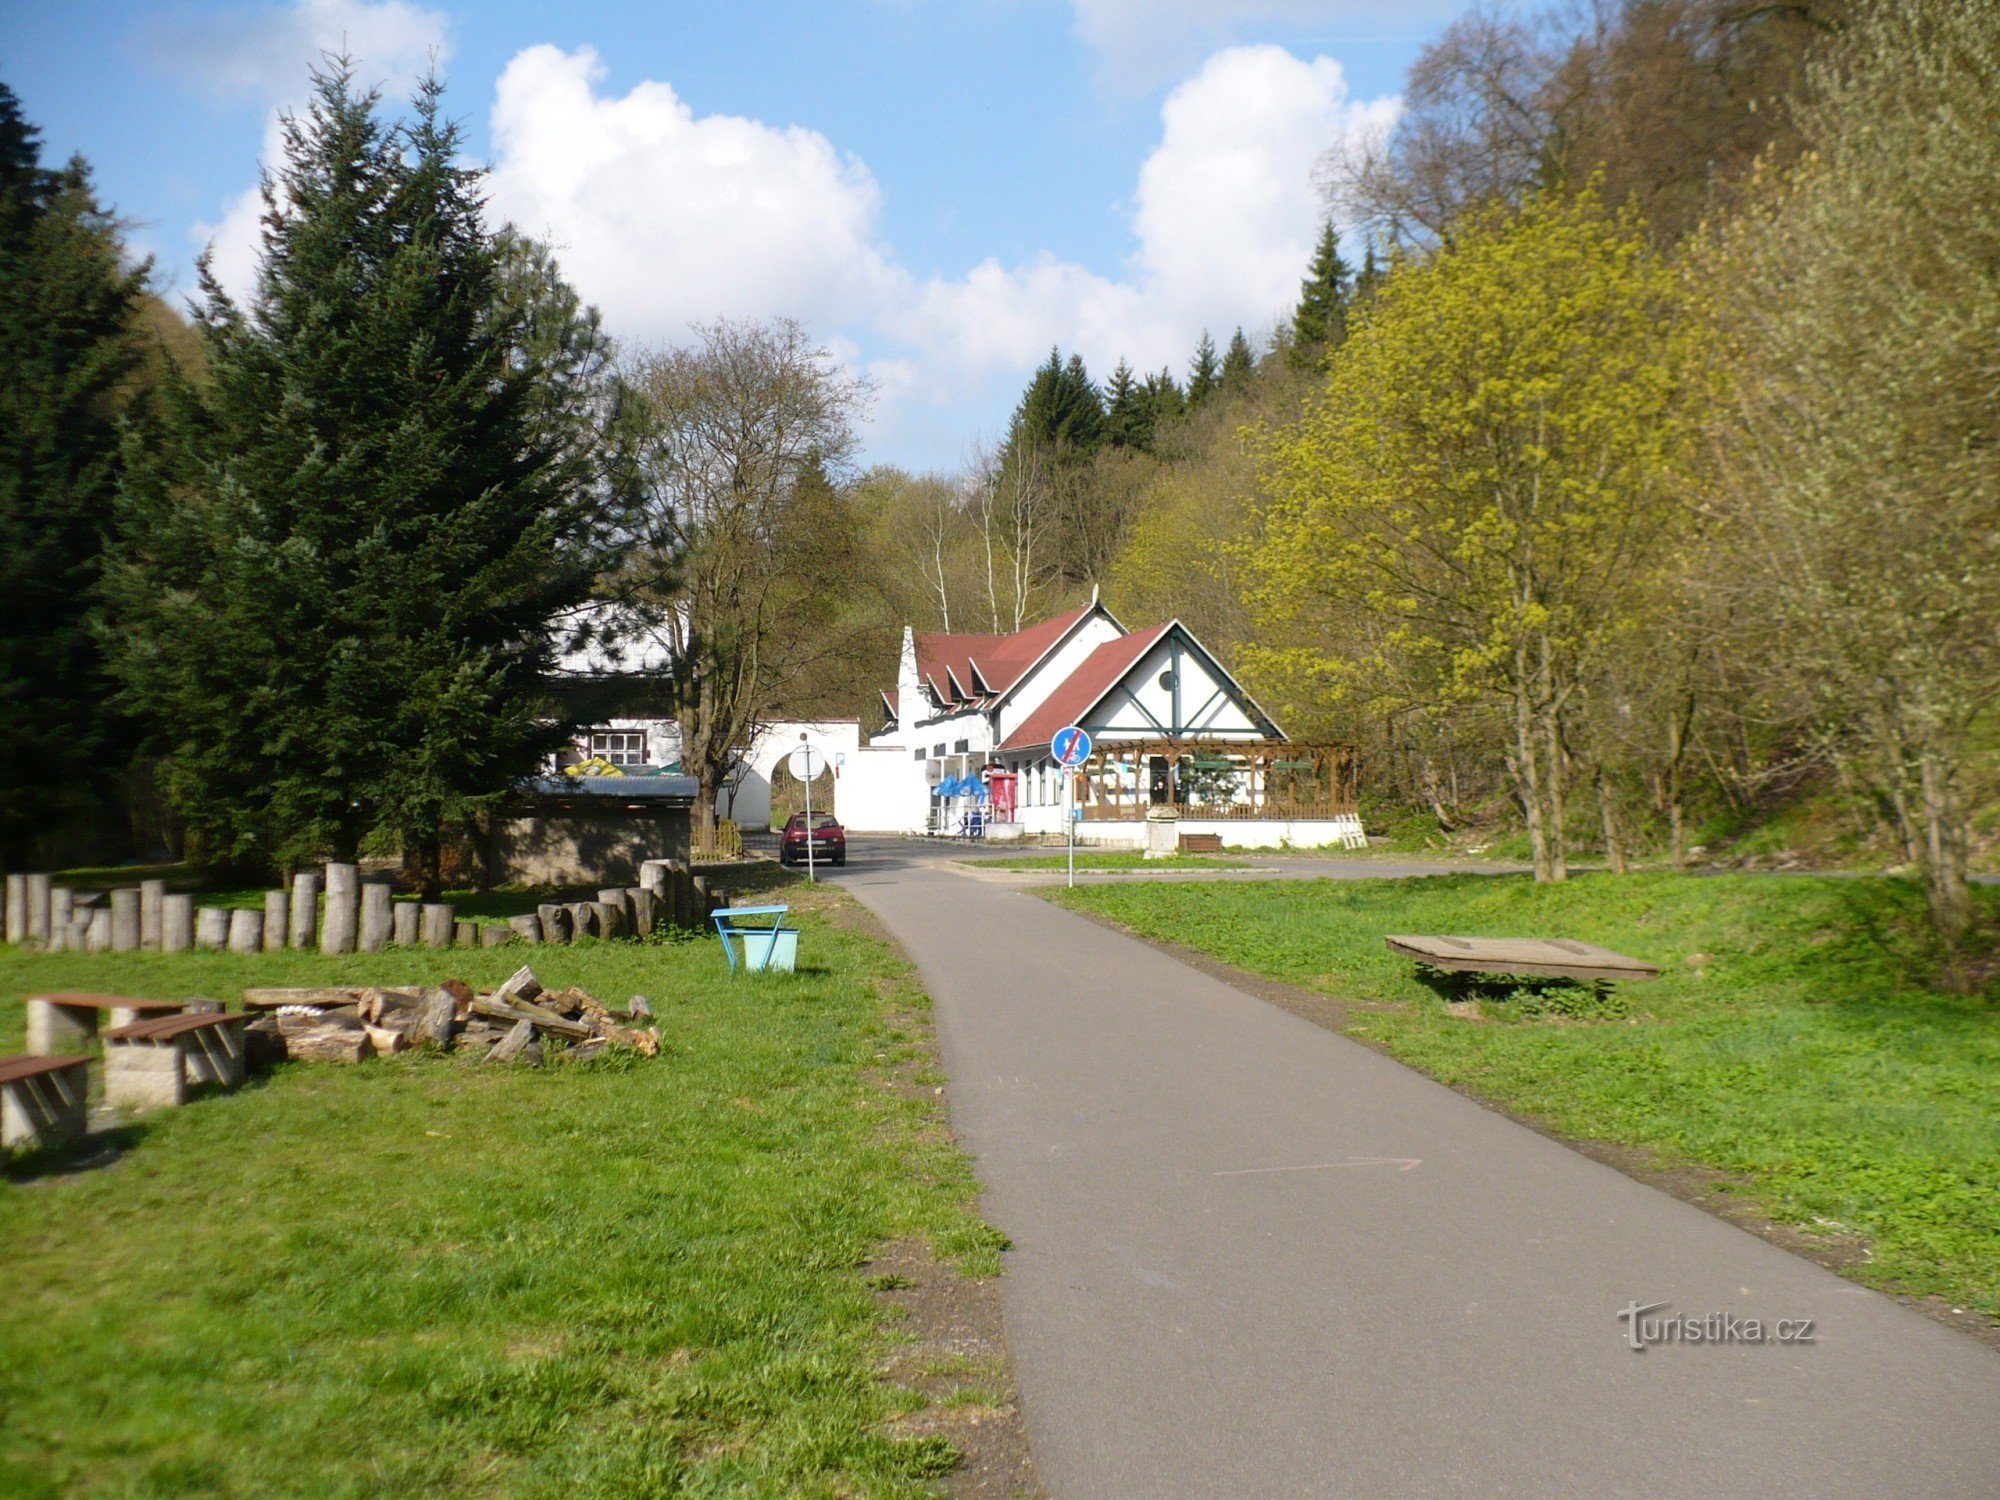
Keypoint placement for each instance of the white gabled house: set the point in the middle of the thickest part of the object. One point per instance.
(965, 743)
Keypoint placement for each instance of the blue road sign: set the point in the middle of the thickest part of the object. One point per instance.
(1071, 746)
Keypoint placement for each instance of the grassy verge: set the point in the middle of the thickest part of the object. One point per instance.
(1110, 860)
(1791, 1044)
(421, 1276)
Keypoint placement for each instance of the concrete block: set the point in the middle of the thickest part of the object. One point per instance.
(57, 1030)
(144, 1075)
(44, 1110)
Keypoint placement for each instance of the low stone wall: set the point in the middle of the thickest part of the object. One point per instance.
(567, 844)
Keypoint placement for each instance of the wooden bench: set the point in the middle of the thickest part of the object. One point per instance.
(149, 1064)
(67, 1019)
(1201, 843)
(43, 1100)
(1535, 958)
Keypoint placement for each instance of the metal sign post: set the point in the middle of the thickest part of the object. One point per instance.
(1071, 748)
(806, 762)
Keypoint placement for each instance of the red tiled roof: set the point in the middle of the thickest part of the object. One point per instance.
(1000, 659)
(1077, 694)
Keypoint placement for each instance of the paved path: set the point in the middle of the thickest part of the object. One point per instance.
(1226, 1281)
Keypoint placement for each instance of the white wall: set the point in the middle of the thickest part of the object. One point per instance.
(1055, 669)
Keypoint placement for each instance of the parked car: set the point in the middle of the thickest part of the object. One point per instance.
(829, 840)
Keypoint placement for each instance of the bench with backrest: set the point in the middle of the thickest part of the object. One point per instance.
(66, 1020)
(1201, 843)
(149, 1064)
(43, 1100)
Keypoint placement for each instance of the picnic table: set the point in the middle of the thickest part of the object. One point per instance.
(767, 943)
(66, 1019)
(1538, 958)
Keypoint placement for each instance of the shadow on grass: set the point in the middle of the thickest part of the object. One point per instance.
(1523, 996)
(92, 1153)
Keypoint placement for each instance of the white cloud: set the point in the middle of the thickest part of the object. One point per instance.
(1225, 218)
(1141, 42)
(269, 55)
(664, 219)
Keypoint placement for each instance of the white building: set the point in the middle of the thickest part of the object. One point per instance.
(966, 744)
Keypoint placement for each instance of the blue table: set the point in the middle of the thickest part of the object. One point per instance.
(767, 944)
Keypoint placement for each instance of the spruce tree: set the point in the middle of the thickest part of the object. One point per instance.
(343, 567)
(1165, 402)
(1238, 364)
(1204, 372)
(67, 348)
(1320, 323)
(1126, 420)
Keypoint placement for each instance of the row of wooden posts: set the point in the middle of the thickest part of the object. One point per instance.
(337, 913)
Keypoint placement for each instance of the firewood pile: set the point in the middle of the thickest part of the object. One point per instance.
(508, 1024)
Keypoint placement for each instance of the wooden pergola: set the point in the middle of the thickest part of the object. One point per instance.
(1238, 780)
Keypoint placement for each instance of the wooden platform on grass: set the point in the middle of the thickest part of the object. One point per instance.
(1541, 958)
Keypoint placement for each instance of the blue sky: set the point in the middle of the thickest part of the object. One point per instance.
(940, 189)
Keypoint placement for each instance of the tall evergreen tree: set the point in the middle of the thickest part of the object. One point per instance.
(1368, 278)
(1204, 372)
(341, 573)
(1320, 323)
(1060, 412)
(1166, 403)
(1126, 419)
(67, 346)
(1238, 364)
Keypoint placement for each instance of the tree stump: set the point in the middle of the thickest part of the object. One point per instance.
(405, 922)
(495, 935)
(305, 910)
(211, 927)
(583, 920)
(465, 934)
(527, 928)
(62, 912)
(151, 894)
(176, 923)
(15, 928)
(125, 920)
(38, 889)
(436, 924)
(343, 909)
(277, 920)
(377, 916)
(645, 911)
(246, 931)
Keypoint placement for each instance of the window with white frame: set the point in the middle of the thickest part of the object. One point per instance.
(622, 747)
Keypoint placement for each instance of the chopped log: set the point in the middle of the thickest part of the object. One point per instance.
(437, 1019)
(610, 919)
(269, 998)
(461, 992)
(502, 1010)
(437, 924)
(479, 1036)
(246, 931)
(641, 1009)
(404, 923)
(681, 891)
(527, 928)
(531, 1055)
(620, 897)
(556, 927)
(378, 1005)
(495, 935)
(342, 1018)
(15, 927)
(342, 921)
(385, 1041)
(585, 1051)
(377, 916)
(124, 920)
(151, 894)
(520, 985)
(465, 934)
(513, 1043)
(334, 1044)
(277, 920)
(646, 1042)
(305, 911)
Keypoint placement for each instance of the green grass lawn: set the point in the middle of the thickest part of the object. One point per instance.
(420, 1276)
(1791, 1044)
(1099, 859)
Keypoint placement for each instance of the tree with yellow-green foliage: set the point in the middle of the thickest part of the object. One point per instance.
(1468, 510)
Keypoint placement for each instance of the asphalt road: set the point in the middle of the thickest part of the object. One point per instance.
(1253, 1258)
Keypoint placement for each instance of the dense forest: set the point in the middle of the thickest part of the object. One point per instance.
(1623, 482)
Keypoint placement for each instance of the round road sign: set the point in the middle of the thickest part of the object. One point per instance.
(1071, 746)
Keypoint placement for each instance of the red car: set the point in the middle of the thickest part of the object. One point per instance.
(829, 840)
